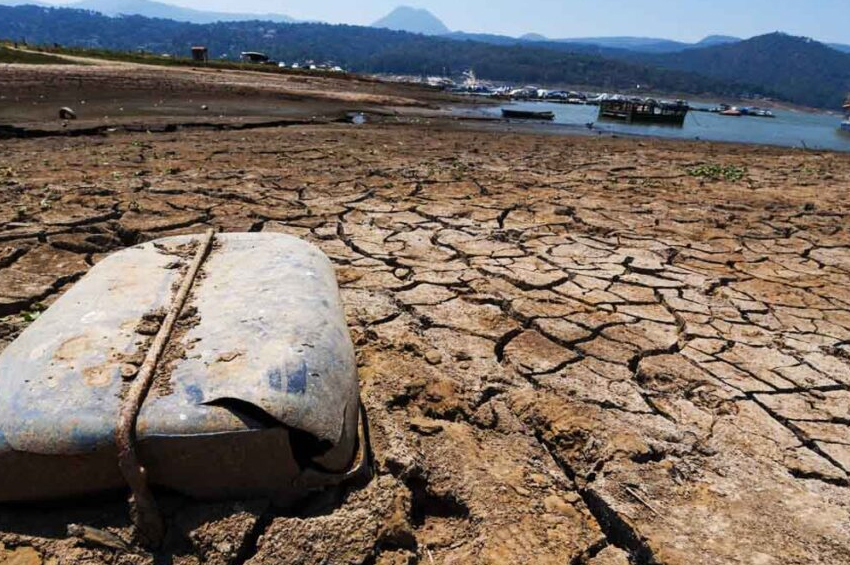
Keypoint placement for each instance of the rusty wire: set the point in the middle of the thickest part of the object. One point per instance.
(145, 513)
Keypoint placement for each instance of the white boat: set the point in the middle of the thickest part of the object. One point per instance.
(845, 125)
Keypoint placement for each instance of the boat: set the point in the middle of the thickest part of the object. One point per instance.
(643, 110)
(527, 115)
(735, 111)
(756, 112)
(845, 125)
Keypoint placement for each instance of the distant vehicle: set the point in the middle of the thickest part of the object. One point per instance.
(845, 125)
(565, 97)
(254, 57)
(525, 93)
(527, 115)
(282, 65)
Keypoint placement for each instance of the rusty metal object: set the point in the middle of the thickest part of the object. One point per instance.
(98, 538)
(256, 397)
(143, 504)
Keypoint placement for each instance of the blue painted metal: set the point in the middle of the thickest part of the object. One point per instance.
(270, 354)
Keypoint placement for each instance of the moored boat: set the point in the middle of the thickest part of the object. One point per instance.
(845, 125)
(735, 111)
(527, 115)
(646, 110)
(756, 112)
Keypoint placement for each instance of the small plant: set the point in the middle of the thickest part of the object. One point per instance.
(714, 172)
(33, 313)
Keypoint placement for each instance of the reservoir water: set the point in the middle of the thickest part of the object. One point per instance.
(812, 130)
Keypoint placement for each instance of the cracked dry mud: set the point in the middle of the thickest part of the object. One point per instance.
(570, 350)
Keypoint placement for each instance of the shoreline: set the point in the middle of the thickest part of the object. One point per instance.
(612, 130)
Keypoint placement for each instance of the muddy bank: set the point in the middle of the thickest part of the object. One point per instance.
(108, 94)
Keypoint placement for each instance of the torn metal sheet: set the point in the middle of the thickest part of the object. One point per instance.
(262, 387)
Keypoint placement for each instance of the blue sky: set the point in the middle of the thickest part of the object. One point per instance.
(825, 20)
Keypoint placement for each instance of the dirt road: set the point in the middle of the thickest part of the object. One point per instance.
(571, 350)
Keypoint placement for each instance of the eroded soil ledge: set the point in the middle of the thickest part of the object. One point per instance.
(571, 350)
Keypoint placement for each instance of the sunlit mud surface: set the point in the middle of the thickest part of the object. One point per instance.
(571, 350)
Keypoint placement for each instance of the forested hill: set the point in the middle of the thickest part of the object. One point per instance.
(796, 68)
(361, 49)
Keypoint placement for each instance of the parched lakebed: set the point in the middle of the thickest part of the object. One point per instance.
(571, 350)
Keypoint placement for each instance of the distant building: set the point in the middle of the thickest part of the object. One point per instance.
(200, 54)
(254, 57)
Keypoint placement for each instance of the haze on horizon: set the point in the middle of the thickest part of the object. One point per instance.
(684, 20)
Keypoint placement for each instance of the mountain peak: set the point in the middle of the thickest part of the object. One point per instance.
(413, 20)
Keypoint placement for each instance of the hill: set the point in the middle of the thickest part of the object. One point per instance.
(413, 20)
(640, 44)
(645, 44)
(605, 46)
(717, 40)
(561, 45)
(151, 9)
(361, 49)
(798, 69)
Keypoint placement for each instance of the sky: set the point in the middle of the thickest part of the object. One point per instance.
(684, 20)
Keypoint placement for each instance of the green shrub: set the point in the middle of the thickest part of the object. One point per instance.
(714, 172)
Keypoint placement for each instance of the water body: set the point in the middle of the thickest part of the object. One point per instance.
(789, 129)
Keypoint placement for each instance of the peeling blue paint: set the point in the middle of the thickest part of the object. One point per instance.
(275, 378)
(297, 382)
(195, 394)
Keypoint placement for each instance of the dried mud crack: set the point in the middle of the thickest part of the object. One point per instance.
(570, 350)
